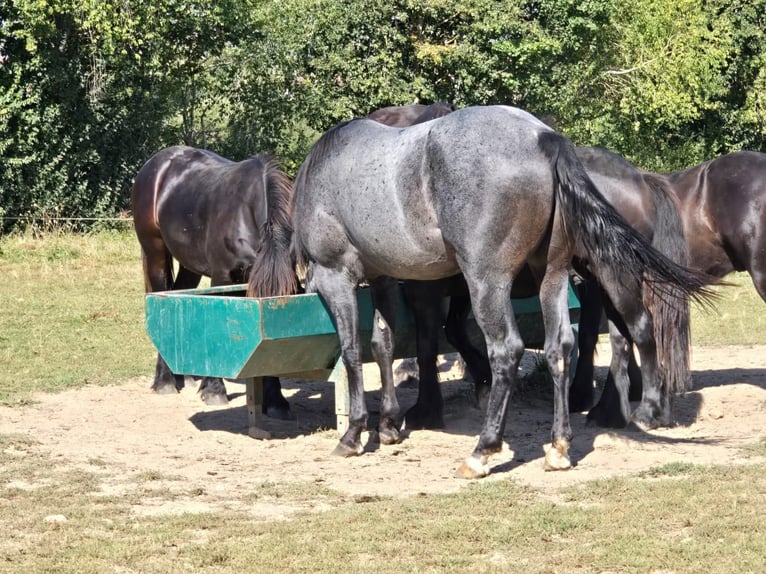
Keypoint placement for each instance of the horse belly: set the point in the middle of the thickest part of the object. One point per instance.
(404, 253)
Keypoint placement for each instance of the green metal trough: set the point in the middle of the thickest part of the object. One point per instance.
(218, 332)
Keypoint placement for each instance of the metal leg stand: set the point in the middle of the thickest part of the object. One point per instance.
(339, 377)
(254, 386)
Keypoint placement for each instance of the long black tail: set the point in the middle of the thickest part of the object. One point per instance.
(606, 237)
(670, 319)
(273, 272)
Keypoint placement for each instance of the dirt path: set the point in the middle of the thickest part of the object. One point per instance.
(126, 431)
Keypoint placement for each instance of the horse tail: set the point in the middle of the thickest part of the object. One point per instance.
(273, 270)
(603, 236)
(671, 323)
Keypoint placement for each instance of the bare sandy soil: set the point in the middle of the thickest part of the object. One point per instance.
(209, 461)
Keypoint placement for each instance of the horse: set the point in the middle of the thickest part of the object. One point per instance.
(405, 116)
(230, 221)
(721, 204)
(483, 191)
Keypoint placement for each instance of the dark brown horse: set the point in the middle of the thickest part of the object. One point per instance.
(230, 221)
(722, 206)
(404, 116)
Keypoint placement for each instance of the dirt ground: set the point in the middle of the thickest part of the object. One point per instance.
(125, 431)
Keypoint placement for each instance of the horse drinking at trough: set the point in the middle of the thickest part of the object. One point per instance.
(721, 206)
(230, 221)
(483, 191)
(665, 339)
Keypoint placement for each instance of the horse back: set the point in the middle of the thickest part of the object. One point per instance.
(202, 208)
(422, 192)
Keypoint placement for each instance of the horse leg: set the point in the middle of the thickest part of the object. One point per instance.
(428, 410)
(476, 360)
(591, 307)
(559, 342)
(655, 407)
(384, 300)
(158, 276)
(491, 301)
(275, 404)
(613, 408)
(337, 289)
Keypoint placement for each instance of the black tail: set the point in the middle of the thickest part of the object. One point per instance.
(606, 238)
(273, 272)
(670, 320)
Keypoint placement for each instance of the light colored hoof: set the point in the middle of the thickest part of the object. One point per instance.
(557, 456)
(473, 468)
(259, 433)
(346, 451)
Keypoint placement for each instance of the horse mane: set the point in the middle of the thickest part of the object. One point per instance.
(273, 270)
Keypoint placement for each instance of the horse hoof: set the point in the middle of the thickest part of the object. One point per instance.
(279, 413)
(557, 456)
(473, 468)
(166, 389)
(215, 399)
(603, 419)
(418, 418)
(347, 451)
(388, 436)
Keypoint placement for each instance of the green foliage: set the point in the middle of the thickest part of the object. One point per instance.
(90, 89)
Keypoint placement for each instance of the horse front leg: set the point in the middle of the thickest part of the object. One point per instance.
(476, 361)
(384, 300)
(591, 309)
(424, 299)
(491, 300)
(339, 293)
(613, 408)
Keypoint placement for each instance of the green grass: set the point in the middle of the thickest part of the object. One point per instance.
(737, 318)
(681, 518)
(73, 313)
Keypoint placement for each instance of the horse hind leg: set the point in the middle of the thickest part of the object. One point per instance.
(384, 298)
(491, 299)
(157, 264)
(559, 342)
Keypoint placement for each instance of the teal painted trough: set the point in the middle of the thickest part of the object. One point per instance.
(218, 332)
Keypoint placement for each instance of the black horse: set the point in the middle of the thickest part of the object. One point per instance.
(721, 205)
(483, 191)
(230, 221)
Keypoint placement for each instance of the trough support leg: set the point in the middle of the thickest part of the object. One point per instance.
(339, 377)
(254, 386)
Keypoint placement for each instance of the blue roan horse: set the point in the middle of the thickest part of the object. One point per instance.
(230, 221)
(483, 191)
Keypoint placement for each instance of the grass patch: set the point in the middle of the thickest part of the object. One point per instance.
(78, 313)
(737, 318)
(683, 519)
(757, 448)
